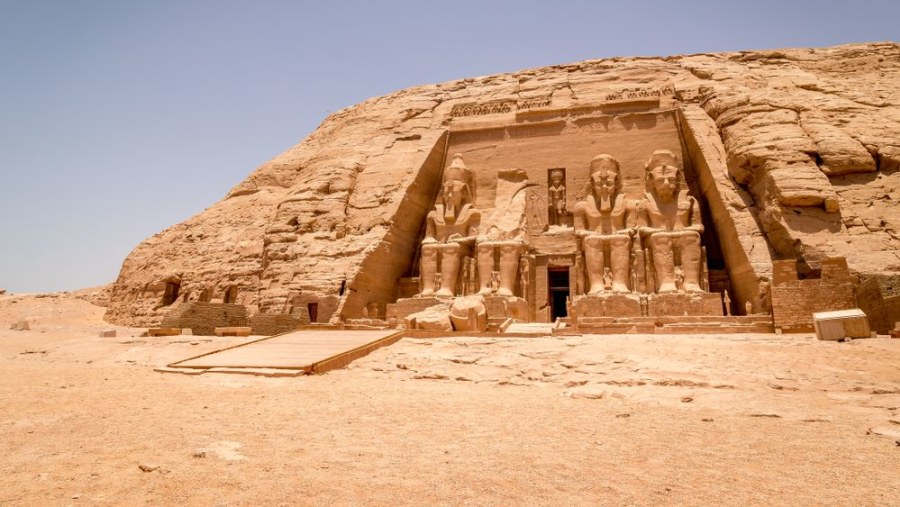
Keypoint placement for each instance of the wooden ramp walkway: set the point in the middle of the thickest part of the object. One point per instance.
(299, 352)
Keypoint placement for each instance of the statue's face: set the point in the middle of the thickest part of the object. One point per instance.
(605, 181)
(665, 179)
(454, 193)
(556, 178)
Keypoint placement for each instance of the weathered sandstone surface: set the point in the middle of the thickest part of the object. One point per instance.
(796, 153)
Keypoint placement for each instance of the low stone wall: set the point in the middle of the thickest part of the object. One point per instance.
(269, 324)
(661, 305)
(794, 300)
(204, 318)
(879, 298)
(891, 312)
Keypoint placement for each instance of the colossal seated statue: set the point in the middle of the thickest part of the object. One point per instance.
(670, 224)
(602, 219)
(450, 230)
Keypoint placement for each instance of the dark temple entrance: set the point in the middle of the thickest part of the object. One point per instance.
(558, 284)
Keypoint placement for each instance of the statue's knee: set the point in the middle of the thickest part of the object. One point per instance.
(509, 249)
(660, 240)
(620, 241)
(593, 242)
(451, 249)
(694, 237)
(690, 239)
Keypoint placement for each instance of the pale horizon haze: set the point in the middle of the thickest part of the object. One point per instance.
(119, 119)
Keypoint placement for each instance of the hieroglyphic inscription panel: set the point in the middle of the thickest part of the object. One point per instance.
(476, 109)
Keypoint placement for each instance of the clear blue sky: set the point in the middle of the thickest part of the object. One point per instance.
(120, 118)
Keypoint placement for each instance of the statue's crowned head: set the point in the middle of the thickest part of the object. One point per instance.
(458, 187)
(662, 173)
(557, 177)
(606, 181)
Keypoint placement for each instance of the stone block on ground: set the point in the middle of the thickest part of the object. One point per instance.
(837, 325)
(434, 318)
(233, 331)
(469, 313)
(21, 325)
(108, 333)
(164, 331)
(506, 307)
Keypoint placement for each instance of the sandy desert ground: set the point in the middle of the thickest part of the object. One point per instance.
(579, 420)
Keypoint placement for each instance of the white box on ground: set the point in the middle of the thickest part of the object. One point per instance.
(840, 324)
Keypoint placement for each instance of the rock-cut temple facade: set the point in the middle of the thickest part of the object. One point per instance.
(758, 185)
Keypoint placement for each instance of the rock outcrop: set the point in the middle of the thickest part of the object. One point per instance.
(796, 152)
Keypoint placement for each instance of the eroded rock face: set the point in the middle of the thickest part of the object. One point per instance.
(797, 155)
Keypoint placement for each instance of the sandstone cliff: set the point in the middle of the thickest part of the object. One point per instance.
(797, 154)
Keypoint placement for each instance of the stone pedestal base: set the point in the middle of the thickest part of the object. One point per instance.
(499, 308)
(406, 306)
(676, 325)
(680, 304)
(505, 307)
(608, 305)
(649, 305)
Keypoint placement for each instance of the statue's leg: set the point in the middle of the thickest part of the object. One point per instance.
(620, 262)
(509, 267)
(593, 263)
(427, 268)
(450, 257)
(663, 261)
(690, 260)
(485, 261)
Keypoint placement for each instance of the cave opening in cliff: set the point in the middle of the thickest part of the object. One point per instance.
(170, 293)
(230, 295)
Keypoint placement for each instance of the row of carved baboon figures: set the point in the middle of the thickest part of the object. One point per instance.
(624, 245)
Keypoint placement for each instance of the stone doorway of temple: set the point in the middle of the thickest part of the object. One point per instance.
(313, 309)
(558, 285)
